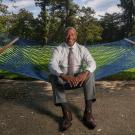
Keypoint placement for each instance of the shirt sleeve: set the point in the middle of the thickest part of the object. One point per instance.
(89, 61)
(54, 62)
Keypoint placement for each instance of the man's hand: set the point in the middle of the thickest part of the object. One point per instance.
(72, 80)
(82, 77)
(75, 80)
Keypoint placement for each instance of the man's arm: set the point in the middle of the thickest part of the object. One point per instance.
(89, 61)
(90, 66)
(54, 62)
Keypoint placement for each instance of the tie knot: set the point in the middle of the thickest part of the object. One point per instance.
(70, 49)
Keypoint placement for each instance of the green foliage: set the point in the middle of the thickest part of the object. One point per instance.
(4, 18)
(128, 15)
(89, 30)
(2, 24)
(45, 20)
(62, 12)
(111, 24)
(56, 15)
(23, 25)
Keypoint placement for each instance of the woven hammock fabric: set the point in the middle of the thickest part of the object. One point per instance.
(32, 60)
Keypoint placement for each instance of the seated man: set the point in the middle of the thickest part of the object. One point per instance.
(66, 73)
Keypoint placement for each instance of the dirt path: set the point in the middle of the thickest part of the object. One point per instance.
(26, 108)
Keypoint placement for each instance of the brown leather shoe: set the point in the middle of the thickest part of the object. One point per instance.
(88, 120)
(66, 123)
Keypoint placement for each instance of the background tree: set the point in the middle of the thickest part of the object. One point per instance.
(65, 13)
(45, 20)
(23, 24)
(128, 15)
(111, 24)
(89, 30)
(56, 15)
(4, 18)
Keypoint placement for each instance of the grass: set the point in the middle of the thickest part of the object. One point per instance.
(7, 75)
(124, 75)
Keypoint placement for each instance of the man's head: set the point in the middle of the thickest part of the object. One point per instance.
(70, 36)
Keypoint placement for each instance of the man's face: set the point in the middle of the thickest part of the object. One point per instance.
(70, 37)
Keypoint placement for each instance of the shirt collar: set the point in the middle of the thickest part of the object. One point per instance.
(74, 46)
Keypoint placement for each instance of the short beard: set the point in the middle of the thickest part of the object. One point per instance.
(71, 44)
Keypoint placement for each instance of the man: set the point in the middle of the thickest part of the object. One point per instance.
(67, 73)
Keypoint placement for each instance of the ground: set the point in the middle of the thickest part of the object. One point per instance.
(26, 108)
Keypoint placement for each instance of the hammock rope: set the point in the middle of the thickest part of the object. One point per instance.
(32, 60)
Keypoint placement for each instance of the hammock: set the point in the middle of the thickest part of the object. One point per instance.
(32, 60)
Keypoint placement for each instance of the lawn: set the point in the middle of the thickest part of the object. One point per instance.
(124, 75)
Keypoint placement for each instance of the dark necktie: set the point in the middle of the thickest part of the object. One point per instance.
(70, 62)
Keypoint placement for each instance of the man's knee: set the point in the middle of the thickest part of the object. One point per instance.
(52, 78)
(56, 80)
(90, 78)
